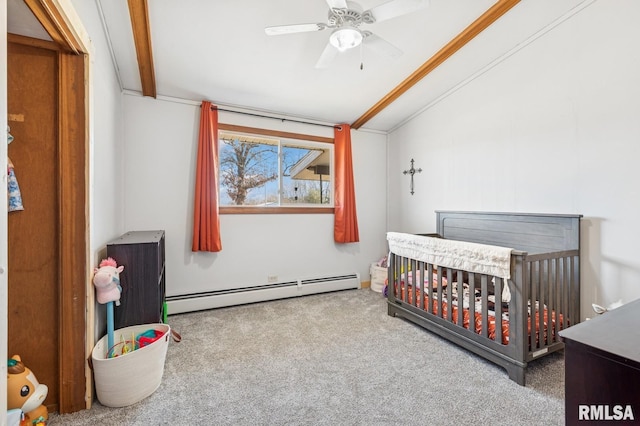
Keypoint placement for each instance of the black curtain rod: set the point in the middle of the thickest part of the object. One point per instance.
(276, 118)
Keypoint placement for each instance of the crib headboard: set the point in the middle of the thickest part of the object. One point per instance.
(530, 232)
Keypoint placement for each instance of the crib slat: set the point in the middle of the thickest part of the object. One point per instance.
(414, 281)
(397, 288)
(449, 293)
(575, 289)
(408, 279)
(568, 290)
(430, 287)
(392, 286)
(498, 308)
(390, 281)
(548, 300)
(542, 278)
(422, 276)
(472, 302)
(551, 301)
(555, 296)
(396, 277)
(532, 303)
(570, 285)
(562, 295)
(565, 292)
(540, 305)
(405, 287)
(485, 305)
(460, 290)
(561, 299)
(439, 274)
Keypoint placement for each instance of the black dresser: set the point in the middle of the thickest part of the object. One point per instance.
(143, 278)
(602, 368)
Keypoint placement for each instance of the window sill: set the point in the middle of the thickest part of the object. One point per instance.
(276, 210)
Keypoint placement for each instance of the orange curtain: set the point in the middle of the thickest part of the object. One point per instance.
(345, 229)
(206, 219)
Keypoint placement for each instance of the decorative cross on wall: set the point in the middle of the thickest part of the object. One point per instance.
(412, 171)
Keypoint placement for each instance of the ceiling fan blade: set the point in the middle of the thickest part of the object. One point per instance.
(395, 8)
(381, 46)
(295, 28)
(328, 55)
(337, 4)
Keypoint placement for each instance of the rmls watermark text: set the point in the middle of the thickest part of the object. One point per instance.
(605, 412)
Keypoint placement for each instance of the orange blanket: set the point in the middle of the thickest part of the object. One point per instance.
(436, 305)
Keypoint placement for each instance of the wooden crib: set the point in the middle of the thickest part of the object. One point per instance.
(509, 321)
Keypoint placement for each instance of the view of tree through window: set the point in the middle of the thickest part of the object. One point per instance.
(262, 171)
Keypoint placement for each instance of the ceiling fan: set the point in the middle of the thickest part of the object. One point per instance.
(345, 18)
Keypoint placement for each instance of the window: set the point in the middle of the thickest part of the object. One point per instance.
(274, 169)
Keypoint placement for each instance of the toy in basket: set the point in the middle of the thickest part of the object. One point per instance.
(24, 392)
(137, 341)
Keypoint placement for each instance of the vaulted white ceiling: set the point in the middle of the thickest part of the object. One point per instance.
(218, 51)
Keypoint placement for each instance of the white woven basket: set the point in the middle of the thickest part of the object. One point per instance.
(378, 277)
(129, 378)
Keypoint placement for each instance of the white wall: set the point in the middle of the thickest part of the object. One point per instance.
(160, 151)
(106, 178)
(106, 135)
(555, 128)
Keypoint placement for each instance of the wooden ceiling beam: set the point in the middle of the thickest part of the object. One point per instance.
(485, 20)
(139, 12)
(54, 18)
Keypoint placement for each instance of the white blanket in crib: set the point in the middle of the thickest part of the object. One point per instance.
(472, 257)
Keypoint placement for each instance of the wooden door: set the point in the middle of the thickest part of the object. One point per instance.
(47, 241)
(32, 79)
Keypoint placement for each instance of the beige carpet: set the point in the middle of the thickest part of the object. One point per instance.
(330, 359)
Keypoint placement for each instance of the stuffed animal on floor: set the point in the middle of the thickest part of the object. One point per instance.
(25, 393)
(106, 279)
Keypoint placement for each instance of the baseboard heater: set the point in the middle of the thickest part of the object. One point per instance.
(261, 293)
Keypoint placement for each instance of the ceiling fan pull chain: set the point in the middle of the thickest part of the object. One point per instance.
(361, 61)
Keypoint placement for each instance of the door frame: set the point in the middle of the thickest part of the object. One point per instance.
(72, 224)
(74, 231)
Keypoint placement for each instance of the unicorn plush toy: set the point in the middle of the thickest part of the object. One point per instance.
(106, 279)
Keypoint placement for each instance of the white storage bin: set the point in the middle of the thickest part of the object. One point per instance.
(129, 378)
(378, 277)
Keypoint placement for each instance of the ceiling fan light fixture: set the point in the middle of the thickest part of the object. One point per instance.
(345, 37)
